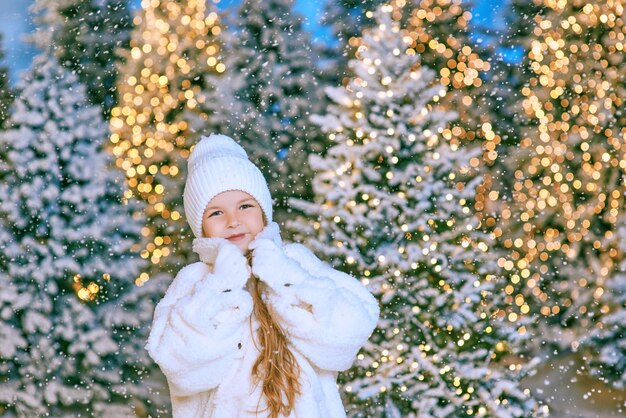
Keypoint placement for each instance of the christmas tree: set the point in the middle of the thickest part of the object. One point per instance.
(69, 253)
(568, 186)
(128, 319)
(605, 345)
(87, 36)
(346, 20)
(6, 96)
(267, 94)
(173, 47)
(393, 198)
(442, 36)
(440, 33)
(504, 83)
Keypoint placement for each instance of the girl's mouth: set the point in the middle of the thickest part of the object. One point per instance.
(237, 237)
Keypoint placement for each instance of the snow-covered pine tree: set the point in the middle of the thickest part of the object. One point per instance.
(68, 252)
(271, 76)
(392, 206)
(219, 107)
(562, 227)
(346, 19)
(605, 345)
(441, 34)
(173, 47)
(87, 36)
(6, 96)
(128, 319)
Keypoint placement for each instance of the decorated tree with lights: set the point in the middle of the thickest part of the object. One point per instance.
(173, 46)
(440, 33)
(505, 80)
(569, 176)
(6, 96)
(346, 19)
(69, 257)
(507, 77)
(86, 35)
(510, 67)
(270, 87)
(393, 198)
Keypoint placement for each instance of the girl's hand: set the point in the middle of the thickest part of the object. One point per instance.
(266, 251)
(269, 261)
(226, 258)
(206, 248)
(231, 262)
(267, 258)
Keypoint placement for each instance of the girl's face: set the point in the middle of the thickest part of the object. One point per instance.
(234, 215)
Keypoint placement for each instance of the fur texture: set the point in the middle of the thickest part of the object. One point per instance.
(202, 331)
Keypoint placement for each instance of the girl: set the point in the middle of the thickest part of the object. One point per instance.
(256, 328)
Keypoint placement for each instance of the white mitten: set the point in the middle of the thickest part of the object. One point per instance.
(207, 248)
(269, 261)
(230, 266)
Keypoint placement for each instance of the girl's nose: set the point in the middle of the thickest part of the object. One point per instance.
(232, 220)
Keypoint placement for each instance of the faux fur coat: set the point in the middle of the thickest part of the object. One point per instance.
(203, 328)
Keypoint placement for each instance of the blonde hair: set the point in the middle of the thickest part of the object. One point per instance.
(276, 368)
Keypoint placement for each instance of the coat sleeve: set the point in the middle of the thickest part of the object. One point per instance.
(328, 315)
(197, 328)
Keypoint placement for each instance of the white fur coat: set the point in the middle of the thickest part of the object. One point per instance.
(202, 333)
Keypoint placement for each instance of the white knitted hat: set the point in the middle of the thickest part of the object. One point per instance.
(217, 164)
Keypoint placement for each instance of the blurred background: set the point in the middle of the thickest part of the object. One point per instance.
(465, 160)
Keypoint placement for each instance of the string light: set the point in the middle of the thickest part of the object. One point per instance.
(569, 190)
(461, 71)
(173, 47)
(417, 338)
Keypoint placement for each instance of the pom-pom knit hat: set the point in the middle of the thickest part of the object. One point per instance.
(218, 164)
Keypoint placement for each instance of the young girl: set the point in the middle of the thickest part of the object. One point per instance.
(256, 328)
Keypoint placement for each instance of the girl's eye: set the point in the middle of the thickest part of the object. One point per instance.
(217, 212)
(246, 206)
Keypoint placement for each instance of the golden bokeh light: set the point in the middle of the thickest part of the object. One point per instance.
(173, 47)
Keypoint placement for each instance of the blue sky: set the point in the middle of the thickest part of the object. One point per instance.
(15, 23)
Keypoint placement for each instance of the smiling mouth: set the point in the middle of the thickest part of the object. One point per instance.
(237, 237)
